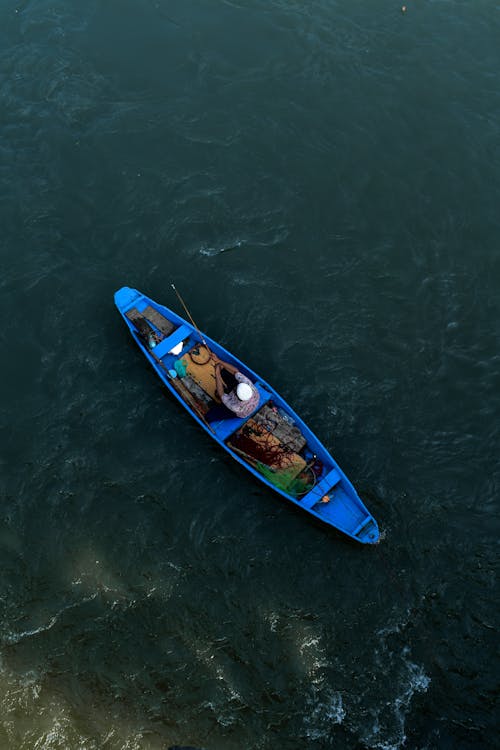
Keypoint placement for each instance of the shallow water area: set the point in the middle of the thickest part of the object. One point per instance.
(321, 182)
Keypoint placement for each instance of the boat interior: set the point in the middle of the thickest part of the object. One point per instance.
(269, 440)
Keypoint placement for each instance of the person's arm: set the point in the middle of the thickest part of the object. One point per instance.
(224, 365)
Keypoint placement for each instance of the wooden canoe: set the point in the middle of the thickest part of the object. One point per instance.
(272, 442)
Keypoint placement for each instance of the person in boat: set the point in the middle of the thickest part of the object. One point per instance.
(237, 393)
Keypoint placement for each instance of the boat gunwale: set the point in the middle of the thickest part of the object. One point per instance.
(313, 442)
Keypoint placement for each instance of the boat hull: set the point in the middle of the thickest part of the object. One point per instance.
(330, 497)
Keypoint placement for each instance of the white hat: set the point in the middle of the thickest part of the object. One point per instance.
(244, 392)
(177, 349)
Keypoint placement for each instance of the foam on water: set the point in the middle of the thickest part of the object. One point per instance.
(14, 638)
(402, 679)
(323, 710)
(211, 251)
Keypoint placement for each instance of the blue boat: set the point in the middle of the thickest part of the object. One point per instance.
(271, 442)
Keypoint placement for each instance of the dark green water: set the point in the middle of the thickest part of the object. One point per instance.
(322, 182)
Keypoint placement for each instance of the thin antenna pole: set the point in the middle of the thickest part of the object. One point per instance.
(189, 315)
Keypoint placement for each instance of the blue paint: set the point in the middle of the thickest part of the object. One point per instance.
(345, 510)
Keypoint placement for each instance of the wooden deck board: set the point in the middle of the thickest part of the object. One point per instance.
(153, 316)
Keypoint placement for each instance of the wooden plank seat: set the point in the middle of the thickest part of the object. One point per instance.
(322, 488)
(168, 343)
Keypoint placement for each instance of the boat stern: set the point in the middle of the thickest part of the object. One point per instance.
(367, 532)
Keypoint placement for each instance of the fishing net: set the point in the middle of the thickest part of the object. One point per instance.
(147, 334)
(277, 462)
(287, 480)
(256, 442)
(143, 329)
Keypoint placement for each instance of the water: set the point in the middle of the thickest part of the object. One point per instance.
(321, 181)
